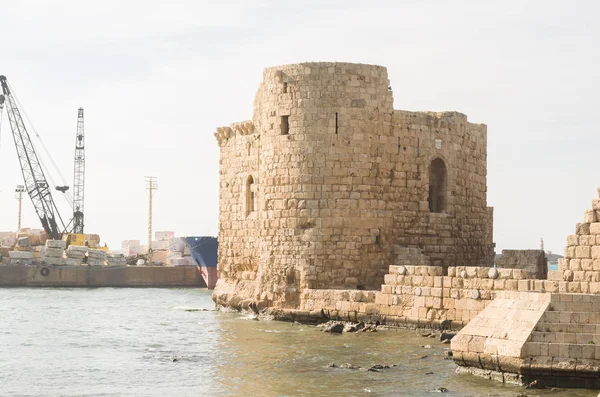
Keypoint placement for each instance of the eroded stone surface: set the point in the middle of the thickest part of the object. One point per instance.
(328, 185)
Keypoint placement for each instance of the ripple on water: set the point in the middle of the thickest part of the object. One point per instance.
(142, 342)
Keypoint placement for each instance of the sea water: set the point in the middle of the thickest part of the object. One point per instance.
(169, 342)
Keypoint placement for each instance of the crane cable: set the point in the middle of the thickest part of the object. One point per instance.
(67, 195)
(1, 125)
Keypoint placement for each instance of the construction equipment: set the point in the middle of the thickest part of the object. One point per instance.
(77, 237)
(79, 175)
(37, 186)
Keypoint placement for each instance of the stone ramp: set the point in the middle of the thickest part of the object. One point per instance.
(495, 338)
(522, 337)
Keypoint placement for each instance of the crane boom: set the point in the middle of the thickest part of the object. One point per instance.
(36, 184)
(79, 175)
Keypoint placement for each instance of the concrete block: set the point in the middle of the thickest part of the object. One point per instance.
(55, 261)
(54, 252)
(77, 248)
(72, 262)
(20, 255)
(56, 244)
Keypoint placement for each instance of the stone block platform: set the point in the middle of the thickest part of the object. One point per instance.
(522, 337)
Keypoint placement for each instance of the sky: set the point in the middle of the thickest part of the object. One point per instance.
(156, 78)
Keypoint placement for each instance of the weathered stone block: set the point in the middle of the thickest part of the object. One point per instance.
(550, 286)
(583, 229)
(595, 228)
(583, 251)
(595, 252)
(563, 264)
(589, 216)
(572, 240)
(574, 264)
(569, 252)
(586, 264)
(587, 240)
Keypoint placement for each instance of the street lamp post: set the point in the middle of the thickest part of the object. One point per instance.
(20, 189)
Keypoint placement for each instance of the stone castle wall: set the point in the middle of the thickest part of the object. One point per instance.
(533, 261)
(328, 179)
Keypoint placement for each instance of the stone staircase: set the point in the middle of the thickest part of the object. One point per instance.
(550, 338)
(568, 330)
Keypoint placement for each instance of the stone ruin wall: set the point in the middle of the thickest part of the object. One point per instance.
(424, 296)
(339, 181)
(461, 235)
(533, 261)
(581, 260)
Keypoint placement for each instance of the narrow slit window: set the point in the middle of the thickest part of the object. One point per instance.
(250, 195)
(285, 125)
(438, 180)
(285, 88)
(337, 125)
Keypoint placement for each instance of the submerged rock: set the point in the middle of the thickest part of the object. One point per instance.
(334, 328)
(369, 328)
(447, 336)
(353, 327)
(374, 368)
(349, 366)
(341, 326)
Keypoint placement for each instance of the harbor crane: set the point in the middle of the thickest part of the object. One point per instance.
(78, 175)
(36, 185)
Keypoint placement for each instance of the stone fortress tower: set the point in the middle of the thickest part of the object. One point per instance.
(328, 185)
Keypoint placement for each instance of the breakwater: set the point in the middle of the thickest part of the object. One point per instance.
(92, 276)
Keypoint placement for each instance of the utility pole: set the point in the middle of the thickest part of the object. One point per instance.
(151, 185)
(20, 189)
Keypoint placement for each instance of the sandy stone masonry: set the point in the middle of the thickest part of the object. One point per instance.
(328, 185)
(581, 260)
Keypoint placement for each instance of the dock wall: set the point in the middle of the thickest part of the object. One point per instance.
(89, 276)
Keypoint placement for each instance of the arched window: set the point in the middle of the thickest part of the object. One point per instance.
(438, 176)
(250, 194)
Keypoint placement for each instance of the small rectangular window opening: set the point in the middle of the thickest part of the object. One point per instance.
(285, 125)
(285, 88)
(336, 123)
(378, 240)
